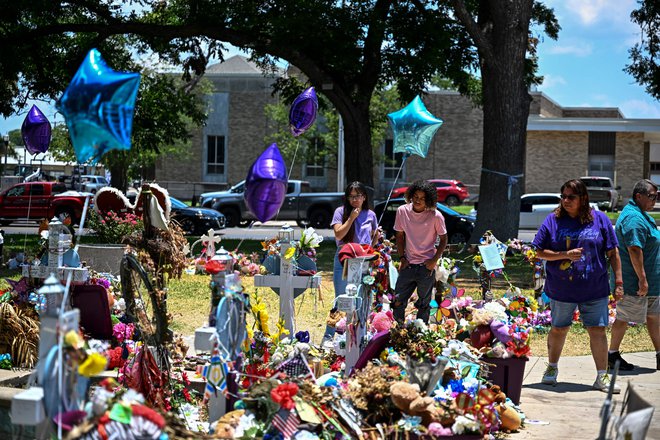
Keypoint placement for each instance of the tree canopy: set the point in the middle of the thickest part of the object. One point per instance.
(645, 55)
(347, 50)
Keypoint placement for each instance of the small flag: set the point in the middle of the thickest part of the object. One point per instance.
(286, 422)
(297, 366)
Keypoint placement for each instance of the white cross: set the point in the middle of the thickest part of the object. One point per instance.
(356, 323)
(286, 281)
(209, 240)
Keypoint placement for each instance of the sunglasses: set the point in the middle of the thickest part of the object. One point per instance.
(569, 196)
(653, 196)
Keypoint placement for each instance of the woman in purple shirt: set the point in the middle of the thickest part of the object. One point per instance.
(577, 243)
(353, 222)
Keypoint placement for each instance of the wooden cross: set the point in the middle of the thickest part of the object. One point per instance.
(287, 281)
(59, 242)
(356, 323)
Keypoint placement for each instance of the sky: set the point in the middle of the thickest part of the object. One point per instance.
(584, 67)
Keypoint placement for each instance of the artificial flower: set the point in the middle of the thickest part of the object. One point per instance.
(94, 364)
(283, 395)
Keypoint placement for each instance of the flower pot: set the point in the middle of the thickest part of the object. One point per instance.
(102, 257)
(508, 374)
(303, 262)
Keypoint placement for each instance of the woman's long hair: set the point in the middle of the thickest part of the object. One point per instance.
(362, 190)
(579, 188)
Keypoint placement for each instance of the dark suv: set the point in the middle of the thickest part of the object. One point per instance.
(450, 192)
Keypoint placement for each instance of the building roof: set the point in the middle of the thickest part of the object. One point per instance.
(650, 127)
(235, 66)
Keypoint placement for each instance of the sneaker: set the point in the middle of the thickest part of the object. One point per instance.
(602, 383)
(550, 375)
(623, 365)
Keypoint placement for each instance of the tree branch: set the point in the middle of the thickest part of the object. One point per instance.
(473, 29)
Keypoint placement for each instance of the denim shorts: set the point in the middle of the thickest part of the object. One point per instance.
(593, 313)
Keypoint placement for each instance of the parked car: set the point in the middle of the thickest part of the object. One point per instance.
(301, 205)
(38, 200)
(196, 221)
(535, 207)
(450, 192)
(459, 226)
(90, 183)
(602, 192)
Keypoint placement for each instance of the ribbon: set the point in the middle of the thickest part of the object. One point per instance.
(511, 179)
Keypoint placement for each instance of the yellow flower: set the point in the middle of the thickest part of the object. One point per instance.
(477, 259)
(93, 365)
(72, 339)
(280, 331)
(290, 253)
(514, 305)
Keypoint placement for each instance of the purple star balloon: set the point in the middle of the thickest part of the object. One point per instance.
(36, 131)
(303, 112)
(98, 106)
(265, 184)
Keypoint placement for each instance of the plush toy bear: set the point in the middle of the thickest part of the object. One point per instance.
(408, 399)
(509, 417)
(227, 424)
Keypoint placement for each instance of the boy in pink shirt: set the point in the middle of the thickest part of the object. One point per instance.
(418, 226)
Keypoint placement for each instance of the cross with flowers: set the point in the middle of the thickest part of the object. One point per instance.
(210, 240)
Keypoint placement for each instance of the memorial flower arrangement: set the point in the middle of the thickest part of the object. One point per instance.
(112, 228)
(309, 241)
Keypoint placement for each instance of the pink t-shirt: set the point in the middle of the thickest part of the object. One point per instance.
(422, 229)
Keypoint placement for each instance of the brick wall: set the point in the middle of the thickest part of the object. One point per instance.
(629, 157)
(554, 157)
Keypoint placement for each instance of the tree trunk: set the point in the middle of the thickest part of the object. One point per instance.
(117, 163)
(357, 145)
(506, 109)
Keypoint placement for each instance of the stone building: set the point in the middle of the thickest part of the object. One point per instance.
(562, 142)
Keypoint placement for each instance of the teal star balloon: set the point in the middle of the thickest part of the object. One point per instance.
(98, 107)
(414, 127)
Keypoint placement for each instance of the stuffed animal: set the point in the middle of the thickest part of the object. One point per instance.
(480, 317)
(382, 321)
(481, 336)
(227, 424)
(408, 399)
(509, 417)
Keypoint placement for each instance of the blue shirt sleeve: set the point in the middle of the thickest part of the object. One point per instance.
(633, 231)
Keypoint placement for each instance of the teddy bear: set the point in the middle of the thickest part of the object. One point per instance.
(509, 417)
(382, 321)
(227, 424)
(408, 399)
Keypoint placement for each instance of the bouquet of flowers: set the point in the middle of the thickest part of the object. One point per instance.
(309, 241)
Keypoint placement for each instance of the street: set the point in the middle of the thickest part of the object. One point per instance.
(258, 232)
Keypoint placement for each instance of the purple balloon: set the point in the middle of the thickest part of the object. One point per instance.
(36, 131)
(303, 112)
(265, 184)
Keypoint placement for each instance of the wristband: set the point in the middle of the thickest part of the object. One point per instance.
(618, 283)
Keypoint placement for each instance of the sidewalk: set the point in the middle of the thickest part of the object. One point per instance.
(572, 408)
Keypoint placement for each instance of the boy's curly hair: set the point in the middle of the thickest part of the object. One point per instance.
(430, 194)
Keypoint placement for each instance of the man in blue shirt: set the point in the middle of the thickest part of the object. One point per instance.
(639, 243)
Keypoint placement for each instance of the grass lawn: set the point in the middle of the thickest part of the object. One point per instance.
(189, 297)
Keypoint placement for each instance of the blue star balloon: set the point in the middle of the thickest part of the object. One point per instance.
(98, 106)
(414, 127)
(265, 184)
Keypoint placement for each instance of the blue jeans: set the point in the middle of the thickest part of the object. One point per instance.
(593, 313)
(340, 289)
(414, 276)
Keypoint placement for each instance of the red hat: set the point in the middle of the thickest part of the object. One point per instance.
(354, 250)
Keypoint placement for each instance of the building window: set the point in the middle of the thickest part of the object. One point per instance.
(215, 155)
(602, 146)
(392, 161)
(315, 164)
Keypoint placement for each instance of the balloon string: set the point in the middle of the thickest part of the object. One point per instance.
(293, 161)
(389, 196)
(243, 239)
(27, 218)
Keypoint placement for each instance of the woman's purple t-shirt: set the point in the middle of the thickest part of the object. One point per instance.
(365, 225)
(583, 280)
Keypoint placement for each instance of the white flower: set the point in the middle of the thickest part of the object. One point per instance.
(464, 425)
(44, 234)
(420, 325)
(497, 310)
(454, 349)
(120, 305)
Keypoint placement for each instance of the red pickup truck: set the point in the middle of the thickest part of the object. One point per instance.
(39, 200)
